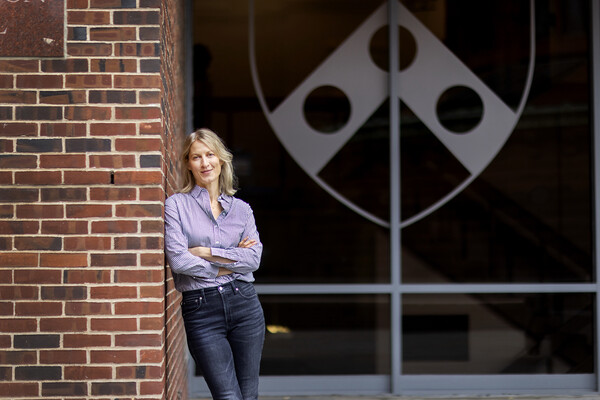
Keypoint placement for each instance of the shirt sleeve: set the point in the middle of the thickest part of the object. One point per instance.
(176, 247)
(245, 260)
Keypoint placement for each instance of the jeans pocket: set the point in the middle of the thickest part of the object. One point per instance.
(190, 305)
(246, 290)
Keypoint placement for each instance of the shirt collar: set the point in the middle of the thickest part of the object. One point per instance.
(224, 199)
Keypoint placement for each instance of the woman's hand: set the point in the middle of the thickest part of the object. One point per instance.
(246, 243)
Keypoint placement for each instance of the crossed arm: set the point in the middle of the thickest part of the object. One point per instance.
(205, 253)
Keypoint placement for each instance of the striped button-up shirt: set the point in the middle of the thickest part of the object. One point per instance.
(189, 222)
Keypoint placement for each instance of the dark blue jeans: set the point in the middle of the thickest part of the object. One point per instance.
(225, 329)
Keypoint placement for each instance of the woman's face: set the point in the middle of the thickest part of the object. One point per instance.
(204, 165)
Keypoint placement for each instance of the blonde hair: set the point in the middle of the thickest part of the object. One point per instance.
(227, 179)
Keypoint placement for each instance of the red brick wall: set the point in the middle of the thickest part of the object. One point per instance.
(82, 188)
(173, 94)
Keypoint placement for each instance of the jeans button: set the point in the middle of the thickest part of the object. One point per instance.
(220, 288)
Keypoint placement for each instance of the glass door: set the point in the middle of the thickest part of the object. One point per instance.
(426, 230)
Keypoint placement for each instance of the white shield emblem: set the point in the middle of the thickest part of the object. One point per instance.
(434, 70)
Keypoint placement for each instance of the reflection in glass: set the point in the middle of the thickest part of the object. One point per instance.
(498, 334)
(326, 335)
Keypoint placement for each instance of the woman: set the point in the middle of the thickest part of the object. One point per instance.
(213, 248)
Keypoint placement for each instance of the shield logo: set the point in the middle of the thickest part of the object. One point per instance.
(434, 71)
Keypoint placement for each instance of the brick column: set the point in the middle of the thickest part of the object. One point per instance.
(82, 186)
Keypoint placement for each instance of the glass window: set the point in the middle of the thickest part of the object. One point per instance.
(326, 335)
(498, 334)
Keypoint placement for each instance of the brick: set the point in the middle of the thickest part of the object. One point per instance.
(136, 17)
(6, 146)
(6, 178)
(63, 129)
(62, 161)
(18, 227)
(17, 161)
(38, 373)
(149, 388)
(5, 341)
(37, 277)
(63, 260)
(6, 81)
(87, 308)
(138, 308)
(38, 178)
(114, 388)
(113, 96)
(72, 4)
(138, 144)
(87, 177)
(36, 341)
(113, 34)
(86, 340)
(87, 243)
(137, 113)
(77, 33)
(81, 145)
(15, 259)
(6, 113)
(87, 276)
(88, 17)
(18, 97)
(6, 211)
(19, 66)
(152, 260)
(129, 49)
(88, 81)
(89, 211)
(138, 243)
(18, 357)
(152, 227)
(112, 356)
(139, 210)
(50, 389)
(6, 243)
(113, 65)
(63, 194)
(7, 309)
(18, 293)
(27, 309)
(150, 3)
(112, 193)
(55, 357)
(39, 81)
(83, 373)
(38, 243)
(137, 276)
(152, 194)
(110, 129)
(86, 113)
(89, 49)
(39, 145)
(150, 356)
(66, 65)
(5, 374)
(63, 324)
(152, 323)
(18, 389)
(6, 276)
(64, 227)
(152, 97)
(112, 4)
(113, 260)
(64, 292)
(18, 129)
(63, 97)
(117, 226)
(149, 33)
(112, 161)
(113, 292)
(137, 81)
(139, 372)
(150, 128)
(29, 113)
(138, 177)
